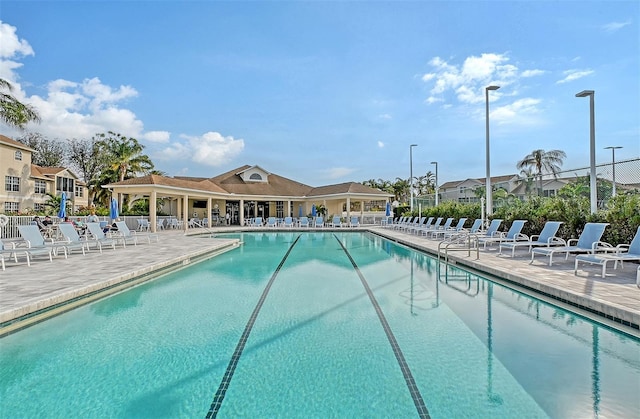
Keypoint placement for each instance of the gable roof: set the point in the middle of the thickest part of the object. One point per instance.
(13, 143)
(352, 188)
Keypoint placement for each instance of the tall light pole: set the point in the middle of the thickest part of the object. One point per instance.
(592, 148)
(488, 183)
(411, 173)
(613, 165)
(436, 163)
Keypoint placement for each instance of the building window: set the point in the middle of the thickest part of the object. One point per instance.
(18, 155)
(11, 207)
(41, 186)
(39, 207)
(255, 176)
(12, 183)
(64, 184)
(79, 192)
(279, 207)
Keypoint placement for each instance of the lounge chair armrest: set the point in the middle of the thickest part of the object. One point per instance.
(534, 237)
(572, 242)
(623, 248)
(603, 247)
(522, 237)
(556, 240)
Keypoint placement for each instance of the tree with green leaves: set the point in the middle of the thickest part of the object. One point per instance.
(543, 161)
(124, 155)
(13, 112)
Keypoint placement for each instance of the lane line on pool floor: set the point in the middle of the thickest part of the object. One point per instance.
(423, 412)
(228, 375)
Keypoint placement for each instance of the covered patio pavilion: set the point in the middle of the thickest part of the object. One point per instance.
(246, 192)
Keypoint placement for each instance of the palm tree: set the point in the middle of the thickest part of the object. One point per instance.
(125, 156)
(549, 161)
(12, 111)
(527, 179)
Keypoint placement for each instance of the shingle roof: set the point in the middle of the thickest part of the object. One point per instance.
(276, 186)
(203, 185)
(348, 187)
(232, 183)
(6, 140)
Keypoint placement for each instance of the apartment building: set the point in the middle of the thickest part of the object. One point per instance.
(26, 185)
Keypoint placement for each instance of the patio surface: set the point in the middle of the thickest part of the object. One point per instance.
(36, 292)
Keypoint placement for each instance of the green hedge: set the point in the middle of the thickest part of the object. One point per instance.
(622, 213)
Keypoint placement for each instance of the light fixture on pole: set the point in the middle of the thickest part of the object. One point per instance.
(613, 166)
(489, 202)
(436, 186)
(411, 173)
(592, 149)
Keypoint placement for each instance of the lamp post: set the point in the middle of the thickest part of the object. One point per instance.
(436, 163)
(488, 182)
(592, 149)
(613, 165)
(411, 173)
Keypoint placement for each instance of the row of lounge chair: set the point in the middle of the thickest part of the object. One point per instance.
(35, 244)
(588, 248)
(303, 222)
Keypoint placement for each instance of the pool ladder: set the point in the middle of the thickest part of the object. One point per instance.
(462, 242)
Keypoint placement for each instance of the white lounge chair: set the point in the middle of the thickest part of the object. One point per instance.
(547, 237)
(433, 233)
(272, 222)
(72, 240)
(622, 253)
(99, 235)
(36, 244)
(318, 222)
(303, 222)
(288, 222)
(450, 231)
(132, 236)
(9, 249)
(355, 222)
(588, 242)
(512, 235)
(336, 222)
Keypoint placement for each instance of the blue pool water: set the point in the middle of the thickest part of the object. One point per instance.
(343, 325)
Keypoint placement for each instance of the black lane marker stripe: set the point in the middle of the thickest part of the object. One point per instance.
(228, 375)
(408, 377)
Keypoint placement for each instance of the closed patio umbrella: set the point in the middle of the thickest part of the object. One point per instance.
(113, 209)
(63, 206)
(300, 211)
(388, 213)
(314, 212)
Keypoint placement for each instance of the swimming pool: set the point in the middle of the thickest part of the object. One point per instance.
(319, 325)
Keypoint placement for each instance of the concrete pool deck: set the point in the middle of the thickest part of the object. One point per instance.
(26, 291)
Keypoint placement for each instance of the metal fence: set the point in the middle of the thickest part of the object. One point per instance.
(627, 177)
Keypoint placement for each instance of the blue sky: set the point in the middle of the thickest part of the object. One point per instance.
(330, 92)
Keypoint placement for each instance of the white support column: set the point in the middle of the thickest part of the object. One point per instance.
(348, 208)
(185, 212)
(209, 212)
(241, 211)
(152, 211)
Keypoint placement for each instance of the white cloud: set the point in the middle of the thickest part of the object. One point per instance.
(468, 80)
(210, 149)
(380, 144)
(532, 73)
(157, 136)
(521, 112)
(615, 26)
(11, 47)
(337, 172)
(571, 75)
(385, 116)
